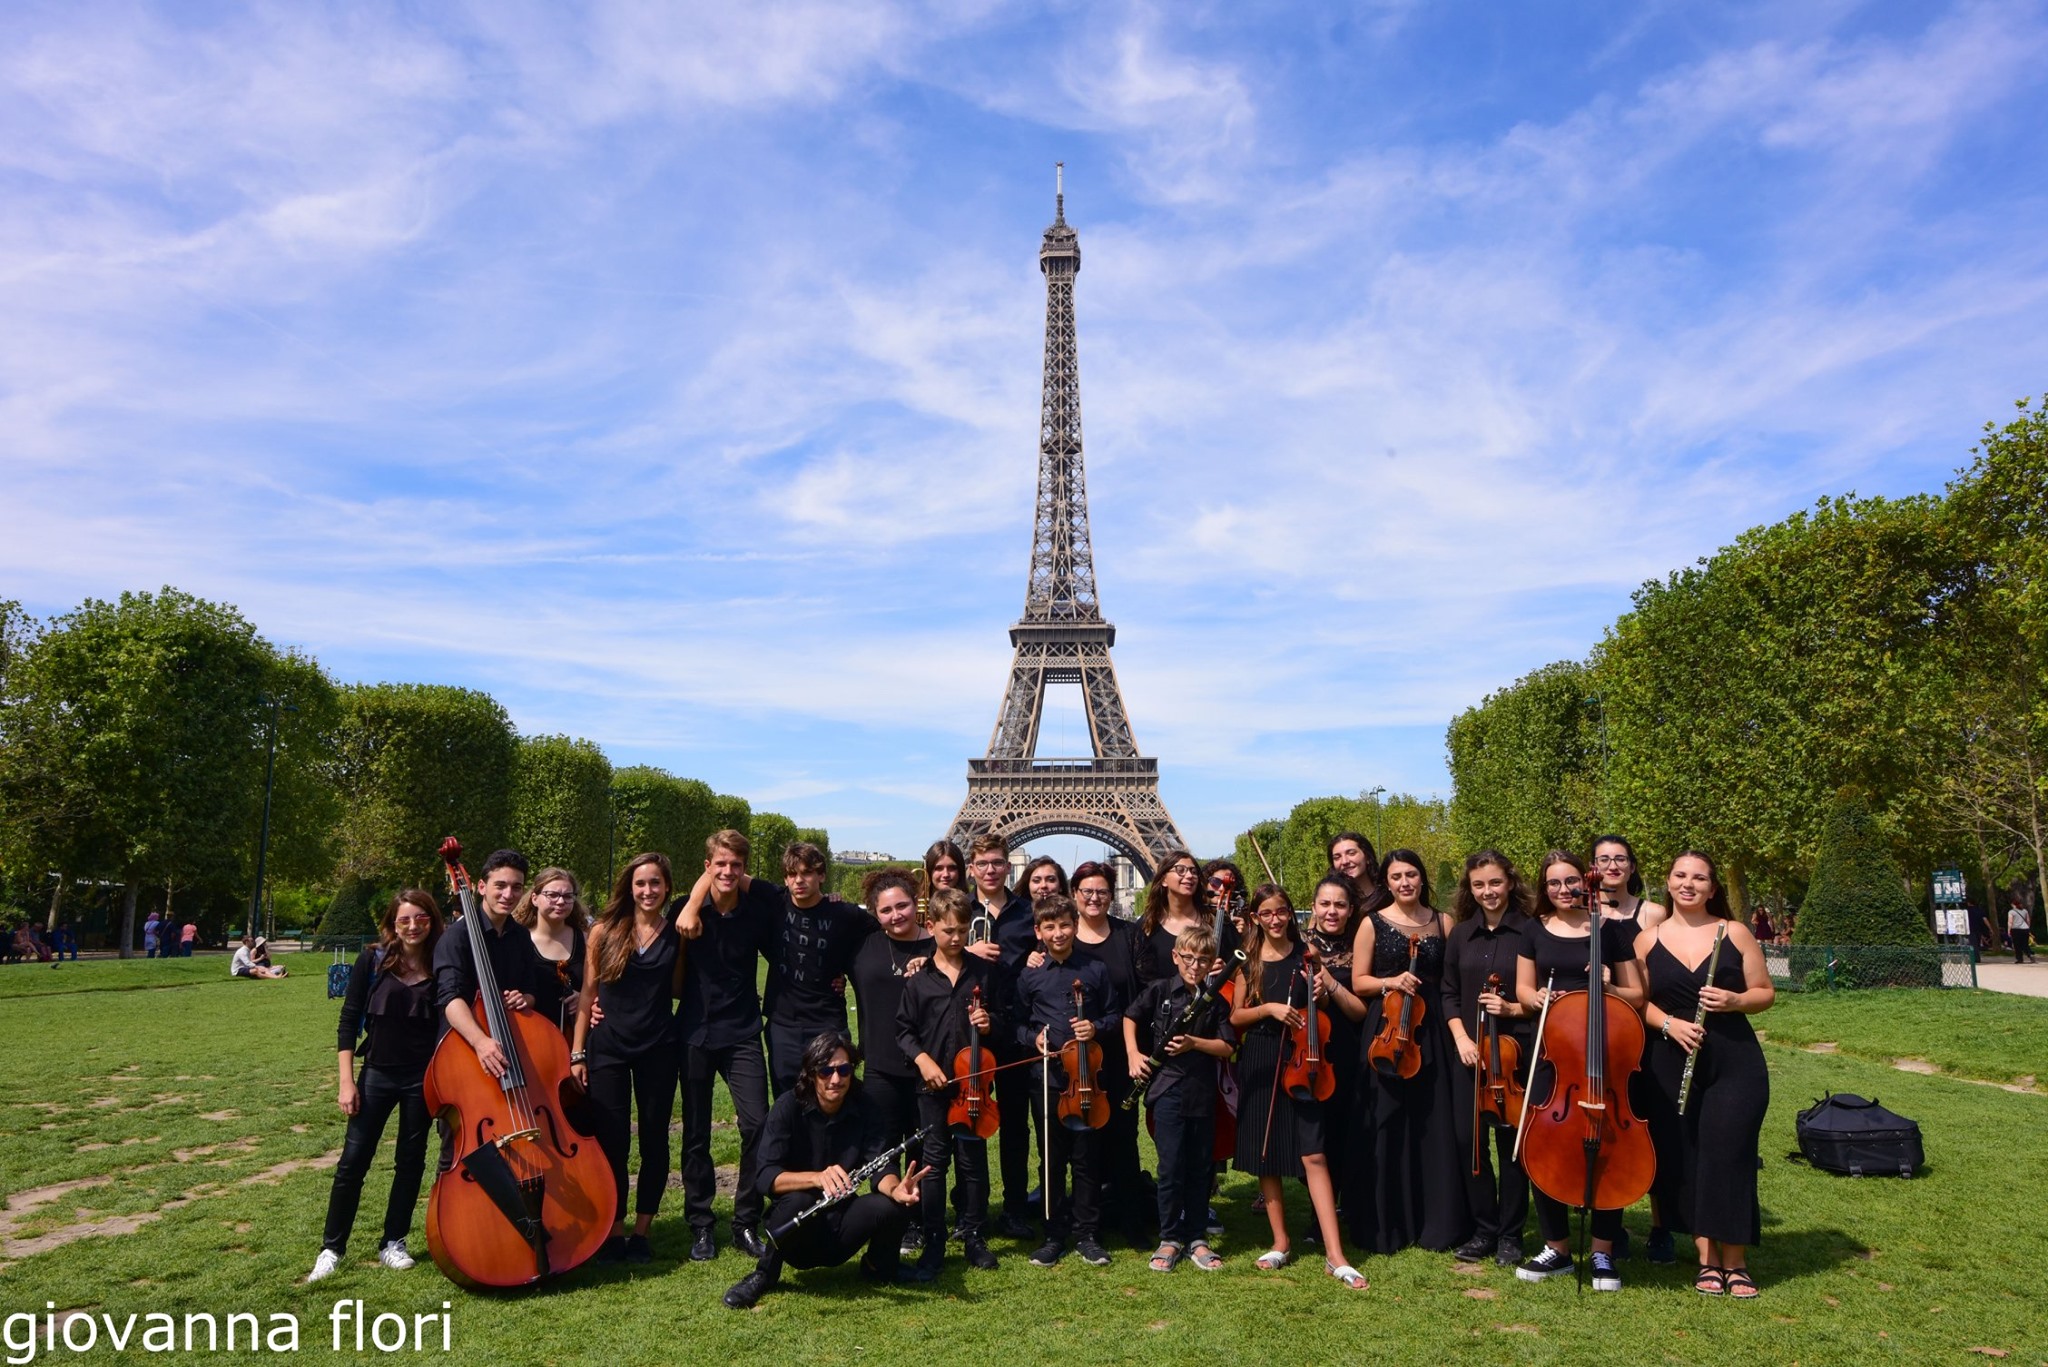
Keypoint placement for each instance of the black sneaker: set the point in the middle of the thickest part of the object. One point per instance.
(1547, 1263)
(876, 1272)
(925, 1269)
(1092, 1253)
(1606, 1273)
(1049, 1254)
(1478, 1248)
(704, 1247)
(1011, 1226)
(1658, 1248)
(748, 1290)
(612, 1250)
(912, 1243)
(1509, 1251)
(1214, 1227)
(978, 1256)
(636, 1250)
(747, 1239)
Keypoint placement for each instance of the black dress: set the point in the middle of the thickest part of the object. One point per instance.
(1296, 1127)
(1415, 1193)
(1126, 1200)
(1345, 1053)
(1706, 1158)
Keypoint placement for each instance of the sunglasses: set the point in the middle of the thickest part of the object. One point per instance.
(836, 1070)
(1222, 880)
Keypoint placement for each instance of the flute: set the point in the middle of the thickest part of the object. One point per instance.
(1699, 1017)
(873, 1167)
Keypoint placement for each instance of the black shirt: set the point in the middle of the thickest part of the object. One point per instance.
(1016, 931)
(513, 961)
(878, 982)
(1157, 1009)
(556, 982)
(1045, 999)
(403, 1019)
(639, 1005)
(1119, 953)
(932, 1017)
(798, 1137)
(812, 947)
(721, 972)
(1471, 953)
(1566, 955)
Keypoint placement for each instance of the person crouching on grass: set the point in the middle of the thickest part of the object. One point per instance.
(816, 1133)
(1182, 1095)
(390, 995)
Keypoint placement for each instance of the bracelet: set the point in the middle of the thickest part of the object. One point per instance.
(1665, 1028)
(578, 1055)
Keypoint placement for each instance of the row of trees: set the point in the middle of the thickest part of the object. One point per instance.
(134, 737)
(1887, 656)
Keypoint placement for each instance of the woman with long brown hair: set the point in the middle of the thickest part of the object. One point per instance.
(553, 913)
(629, 1060)
(388, 1019)
(1172, 905)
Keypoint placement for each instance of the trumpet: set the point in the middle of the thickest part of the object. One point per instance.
(981, 929)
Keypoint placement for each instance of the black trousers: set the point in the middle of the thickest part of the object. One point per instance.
(1124, 1200)
(1076, 1205)
(2020, 947)
(787, 1040)
(1498, 1194)
(646, 1085)
(942, 1147)
(897, 1096)
(1554, 1220)
(746, 1077)
(837, 1233)
(1017, 1097)
(1186, 1141)
(381, 1093)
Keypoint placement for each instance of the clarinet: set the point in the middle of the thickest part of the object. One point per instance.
(872, 1168)
(1212, 988)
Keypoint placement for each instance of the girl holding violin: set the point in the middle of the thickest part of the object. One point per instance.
(1416, 1194)
(629, 1061)
(1332, 929)
(391, 997)
(553, 913)
(1706, 977)
(1280, 1134)
(1491, 1032)
(1554, 960)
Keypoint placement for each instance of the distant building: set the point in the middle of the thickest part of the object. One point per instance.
(862, 857)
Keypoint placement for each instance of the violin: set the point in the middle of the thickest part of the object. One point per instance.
(1495, 1090)
(1582, 1144)
(1304, 1071)
(530, 1194)
(1394, 1050)
(973, 1109)
(1083, 1105)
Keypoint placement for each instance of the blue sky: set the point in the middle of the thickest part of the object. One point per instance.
(671, 371)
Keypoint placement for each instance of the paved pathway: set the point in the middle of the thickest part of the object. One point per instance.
(2026, 980)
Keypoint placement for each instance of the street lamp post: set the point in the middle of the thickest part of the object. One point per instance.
(1374, 796)
(275, 705)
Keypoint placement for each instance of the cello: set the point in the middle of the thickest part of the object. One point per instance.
(1583, 1145)
(1394, 1050)
(1083, 1105)
(1495, 1090)
(973, 1109)
(529, 1195)
(1304, 1072)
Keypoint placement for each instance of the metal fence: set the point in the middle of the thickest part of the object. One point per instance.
(1836, 968)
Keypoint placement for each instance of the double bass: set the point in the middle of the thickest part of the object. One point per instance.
(529, 1195)
(1394, 1050)
(1582, 1143)
(1495, 1090)
(973, 1108)
(1083, 1105)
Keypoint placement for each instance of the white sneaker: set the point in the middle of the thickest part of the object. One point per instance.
(394, 1256)
(324, 1265)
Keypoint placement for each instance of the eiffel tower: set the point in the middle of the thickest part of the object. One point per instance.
(1111, 795)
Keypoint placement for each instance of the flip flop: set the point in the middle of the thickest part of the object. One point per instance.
(1348, 1275)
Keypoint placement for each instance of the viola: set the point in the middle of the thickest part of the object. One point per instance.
(530, 1194)
(1582, 1143)
(1083, 1104)
(1496, 1091)
(973, 1109)
(1304, 1071)
(1394, 1050)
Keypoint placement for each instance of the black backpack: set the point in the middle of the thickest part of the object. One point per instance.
(1844, 1133)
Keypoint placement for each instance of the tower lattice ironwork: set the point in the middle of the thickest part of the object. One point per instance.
(1111, 795)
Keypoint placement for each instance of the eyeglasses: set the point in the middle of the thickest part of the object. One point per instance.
(1093, 894)
(1611, 861)
(558, 895)
(1564, 884)
(1183, 956)
(1273, 911)
(991, 864)
(1182, 871)
(836, 1070)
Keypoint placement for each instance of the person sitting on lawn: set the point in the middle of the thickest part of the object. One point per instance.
(252, 959)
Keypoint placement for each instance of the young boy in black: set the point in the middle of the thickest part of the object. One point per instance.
(1045, 1000)
(939, 1003)
(1181, 1093)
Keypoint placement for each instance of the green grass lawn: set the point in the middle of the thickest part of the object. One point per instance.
(202, 1109)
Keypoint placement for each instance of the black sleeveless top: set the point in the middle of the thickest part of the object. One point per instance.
(1676, 988)
(1390, 951)
(639, 1005)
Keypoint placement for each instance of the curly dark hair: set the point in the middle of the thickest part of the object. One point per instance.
(817, 1054)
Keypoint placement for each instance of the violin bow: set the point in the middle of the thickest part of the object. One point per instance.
(1261, 853)
(1535, 1055)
